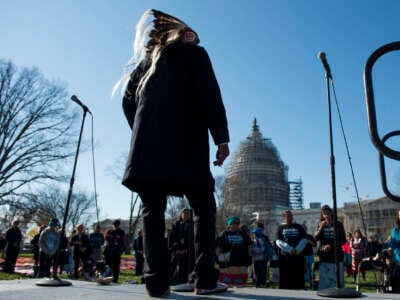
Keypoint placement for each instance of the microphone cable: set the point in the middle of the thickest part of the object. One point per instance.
(94, 171)
(349, 157)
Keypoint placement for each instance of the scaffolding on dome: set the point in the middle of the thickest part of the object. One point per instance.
(256, 179)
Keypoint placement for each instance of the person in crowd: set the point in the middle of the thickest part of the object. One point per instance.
(394, 242)
(233, 250)
(71, 253)
(115, 245)
(325, 235)
(374, 246)
(64, 252)
(181, 248)
(308, 253)
(81, 251)
(260, 225)
(138, 248)
(13, 244)
(359, 249)
(394, 245)
(261, 253)
(96, 239)
(246, 230)
(291, 240)
(3, 244)
(172, 100)
(36, 250)
(347, 254)
(49, 243)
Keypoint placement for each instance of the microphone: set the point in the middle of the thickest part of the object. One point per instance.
(77, 101)
(322, 57)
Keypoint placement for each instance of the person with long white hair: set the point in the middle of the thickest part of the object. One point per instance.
(171, 101)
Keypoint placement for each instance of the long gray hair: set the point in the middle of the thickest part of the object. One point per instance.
(154, 31)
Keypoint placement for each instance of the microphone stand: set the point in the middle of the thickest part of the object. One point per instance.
(339, 291)
(56, 281)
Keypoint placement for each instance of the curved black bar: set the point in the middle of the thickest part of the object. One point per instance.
(383, 170)
(369, 96)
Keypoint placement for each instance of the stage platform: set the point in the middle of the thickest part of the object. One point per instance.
(27, 290)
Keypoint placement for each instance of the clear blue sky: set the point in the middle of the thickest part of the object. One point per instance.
(265, 57)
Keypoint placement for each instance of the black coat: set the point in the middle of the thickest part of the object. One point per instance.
(170, 121)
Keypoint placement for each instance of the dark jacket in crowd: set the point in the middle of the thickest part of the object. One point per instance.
(179, 236)
(237, 243)
(115, 242)
(35, 245)
(96, 240)
(138, 248)
(326, 236)
(80, 243)
(160, 150)
(291, 234)
(13, 238)
(138, 244)
(374, 247)
(64, 250)
(181, 239)
(3, 243)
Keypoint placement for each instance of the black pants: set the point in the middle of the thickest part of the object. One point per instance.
(291, 272)
(260, 272)
(46, 262)
(113, 260)
(139, 264)
(180, 268)
(11, 259)
(156, 267)
(81, 256)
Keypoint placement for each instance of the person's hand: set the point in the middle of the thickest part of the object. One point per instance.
(327, 248)
(222, 154)
(323, 224)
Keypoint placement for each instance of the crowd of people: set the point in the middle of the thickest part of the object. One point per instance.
(241, 252)
(294, 254)
(77, 254)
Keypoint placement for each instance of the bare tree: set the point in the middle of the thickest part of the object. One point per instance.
(35, 131)
(20, 211)
(50, 203)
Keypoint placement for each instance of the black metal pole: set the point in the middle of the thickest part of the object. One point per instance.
(57, 281)
(71, 183)
(333, 182)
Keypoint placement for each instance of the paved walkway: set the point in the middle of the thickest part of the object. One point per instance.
(28, 290)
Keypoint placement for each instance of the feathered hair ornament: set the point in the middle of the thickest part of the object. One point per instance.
(154, 31)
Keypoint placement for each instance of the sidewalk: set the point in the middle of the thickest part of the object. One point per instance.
(26, 289)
